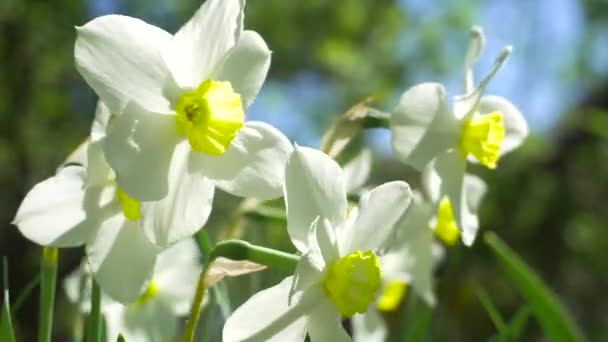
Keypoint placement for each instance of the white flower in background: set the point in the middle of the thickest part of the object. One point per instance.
(183, 95)
(412, 258)
(339, 273)
(154, 316)
(477, 128)
(82, 204)
(356, 171)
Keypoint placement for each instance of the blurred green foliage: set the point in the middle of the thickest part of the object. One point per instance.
(548, 200)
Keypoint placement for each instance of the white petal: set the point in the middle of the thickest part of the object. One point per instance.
(120, 59)
(379, 210)
(314, 187)
(152, 321)
(411, 256)
(253, 165)
(246, 66)
(309, 271)
(516, 128)
(476, 45)
(467, 104)
(139, 147)
(54, 212)
(267, 316)
(474, 190)
(445, 177)
(121, 258)
(199, 47)
(101, 121)
(77, 157)
(422, 125)
(176, 275)
(369, 327)
(325, 324)
(326, 240)
(186, 207)
(357, 170)
(98, 169)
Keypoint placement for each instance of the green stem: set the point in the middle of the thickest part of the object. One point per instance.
(243, 250)
(195, 312)
(377, 119)
(235, 250)
(94, 323)
(48, 278)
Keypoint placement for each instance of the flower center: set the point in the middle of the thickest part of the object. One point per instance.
(150, 293)
(482, 136)
(446, 228)
(209, 116)
(130, 206)
(393, 294)
(351, 282)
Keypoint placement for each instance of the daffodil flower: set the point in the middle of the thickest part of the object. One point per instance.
(190, 89)
(339, 273)
(478, 128)
(83, 204)
(411, 260)
(153, 317)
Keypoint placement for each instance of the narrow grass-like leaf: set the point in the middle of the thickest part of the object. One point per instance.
(418, 320)
(556, 322)
(48, 279)
(94, 322)
(6, 322)
(486, 302)
(518, 323)
(25, 293)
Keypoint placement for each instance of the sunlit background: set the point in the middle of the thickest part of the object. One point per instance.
(548, 200)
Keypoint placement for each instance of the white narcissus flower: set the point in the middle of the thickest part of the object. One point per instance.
(339, 273)
(477, 128)
(184, 92)
(153, 317)
(82, 204)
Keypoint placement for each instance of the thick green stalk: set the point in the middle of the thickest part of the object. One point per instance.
(94, 322)
(48, 279)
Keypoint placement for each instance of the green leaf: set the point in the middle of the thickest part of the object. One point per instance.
(6, 324)
(48, 277)
(25, 293)
(518, 323)
(418, 320)
(120, 338)
(486, 302)
(94, 329)
(556, 322)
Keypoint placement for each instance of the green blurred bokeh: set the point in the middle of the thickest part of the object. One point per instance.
(548, 200)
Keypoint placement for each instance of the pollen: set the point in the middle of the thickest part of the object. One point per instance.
(352, 281)
(209, 116)
(481, 136)
(446, 228)
(151, 292)
(130, 206)
(392, 295)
